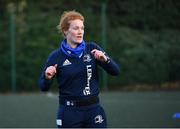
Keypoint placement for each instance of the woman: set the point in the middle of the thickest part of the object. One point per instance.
(75, 66)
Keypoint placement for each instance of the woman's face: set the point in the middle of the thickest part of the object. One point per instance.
(75, 32)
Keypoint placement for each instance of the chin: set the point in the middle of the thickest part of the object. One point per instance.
(79, 41)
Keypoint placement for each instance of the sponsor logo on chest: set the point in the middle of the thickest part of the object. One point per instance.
(66, 62)
(86, 91)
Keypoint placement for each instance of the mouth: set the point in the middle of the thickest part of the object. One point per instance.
(79, 37)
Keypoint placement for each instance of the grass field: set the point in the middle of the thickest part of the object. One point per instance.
(123, 109)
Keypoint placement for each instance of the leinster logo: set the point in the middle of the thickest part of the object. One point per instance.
(98, 119)
(87, 58)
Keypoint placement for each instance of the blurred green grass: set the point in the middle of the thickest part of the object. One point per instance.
(123, 109)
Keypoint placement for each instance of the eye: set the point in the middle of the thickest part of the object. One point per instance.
(75, 28)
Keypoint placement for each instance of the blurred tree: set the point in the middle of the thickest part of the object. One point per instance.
(143, 37)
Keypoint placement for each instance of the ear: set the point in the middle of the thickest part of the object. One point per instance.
(65, 33)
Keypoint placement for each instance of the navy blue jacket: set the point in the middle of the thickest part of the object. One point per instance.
(77, 77)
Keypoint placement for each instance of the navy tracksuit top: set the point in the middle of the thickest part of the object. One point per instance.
(77, 77)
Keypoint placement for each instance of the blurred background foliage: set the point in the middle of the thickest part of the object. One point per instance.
(142, 36)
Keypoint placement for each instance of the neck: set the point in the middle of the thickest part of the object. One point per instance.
(71, 44)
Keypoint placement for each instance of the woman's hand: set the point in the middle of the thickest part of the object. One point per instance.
(50, 72)
(99, 55)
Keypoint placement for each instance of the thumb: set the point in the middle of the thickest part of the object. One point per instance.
(55, 65)
(93, 51)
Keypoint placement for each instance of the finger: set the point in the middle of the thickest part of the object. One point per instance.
(50, 71)
(55, 67)
(96, 55)
(49, 74)
(101, 56)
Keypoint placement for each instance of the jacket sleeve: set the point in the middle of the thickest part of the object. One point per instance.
(44, 84)
(110, 66)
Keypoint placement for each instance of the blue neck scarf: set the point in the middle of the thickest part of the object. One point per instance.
(73, 52)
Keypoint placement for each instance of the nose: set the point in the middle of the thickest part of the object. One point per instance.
(80, 31)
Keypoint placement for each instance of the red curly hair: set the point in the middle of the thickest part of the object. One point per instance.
(65, 19)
